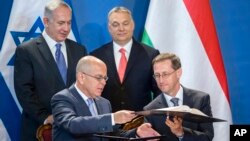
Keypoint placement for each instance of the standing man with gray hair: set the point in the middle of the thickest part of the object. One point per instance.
(129, 64)
(44, 66)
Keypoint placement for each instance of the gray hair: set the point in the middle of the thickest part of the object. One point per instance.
(120, 9)
(52, 5)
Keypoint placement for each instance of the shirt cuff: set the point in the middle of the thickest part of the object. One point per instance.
(45, 121)
(112, 119)
(180, 137)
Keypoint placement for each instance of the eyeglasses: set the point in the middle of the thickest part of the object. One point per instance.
(98, 78)
(163, 75)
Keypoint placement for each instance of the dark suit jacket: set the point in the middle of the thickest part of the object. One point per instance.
(192, 131)
(135, 91)
(37, 79)
(73, 120)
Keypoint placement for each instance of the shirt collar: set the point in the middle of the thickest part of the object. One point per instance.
(51, 42)
(84, 97)
(179, 95)
(127, 46)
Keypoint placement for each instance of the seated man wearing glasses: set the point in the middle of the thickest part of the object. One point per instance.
(167, 73)
(80, 111)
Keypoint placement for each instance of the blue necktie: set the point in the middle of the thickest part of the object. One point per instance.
(90, 103)
(175, 101)
(60, 61)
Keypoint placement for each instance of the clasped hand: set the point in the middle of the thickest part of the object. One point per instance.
(175, 125)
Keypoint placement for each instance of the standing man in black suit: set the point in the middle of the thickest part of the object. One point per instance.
(129, 64)
(44, 66)
(167, 73)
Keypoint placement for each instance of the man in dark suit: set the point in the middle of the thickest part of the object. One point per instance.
(167, 73)
(129, 64)
(76, 119)
(37, 77)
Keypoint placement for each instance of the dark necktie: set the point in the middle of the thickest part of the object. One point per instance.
(60, 61)
(175, 101)
(90, 103)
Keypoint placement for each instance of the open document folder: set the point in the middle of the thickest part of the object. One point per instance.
(116, 138)
(183, 111)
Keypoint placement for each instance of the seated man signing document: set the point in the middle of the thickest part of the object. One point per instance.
(80, 111)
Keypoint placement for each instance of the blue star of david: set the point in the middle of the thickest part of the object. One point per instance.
(6, 97)
(26, 35)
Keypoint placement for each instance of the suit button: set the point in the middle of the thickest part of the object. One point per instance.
(103, 129)
(122, 102)
(122, 88)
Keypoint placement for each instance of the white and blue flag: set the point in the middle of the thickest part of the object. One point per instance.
(24, 23)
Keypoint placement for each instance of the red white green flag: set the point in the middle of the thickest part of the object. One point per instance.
(186, 28)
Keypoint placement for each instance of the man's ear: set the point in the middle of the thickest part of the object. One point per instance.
(179, 72)
(80, 77)
(45, 21)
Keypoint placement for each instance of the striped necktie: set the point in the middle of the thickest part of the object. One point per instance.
(175, 101)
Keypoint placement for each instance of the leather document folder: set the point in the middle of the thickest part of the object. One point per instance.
(183, 111)
(117, 138)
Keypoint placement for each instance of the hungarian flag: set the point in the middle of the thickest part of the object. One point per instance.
(186, 28)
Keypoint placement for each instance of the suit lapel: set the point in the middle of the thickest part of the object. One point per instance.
(48, 57)
(187, 97)
(133, 58)
(187, 100)
(80, 103)
(70, 68)
(162, 103)
(111, 65)
(99, 106)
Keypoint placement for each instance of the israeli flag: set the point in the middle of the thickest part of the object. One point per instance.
(25, 22)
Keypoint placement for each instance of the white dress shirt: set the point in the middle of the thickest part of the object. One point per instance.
(179, 95)
(117, 54)
(84, 97)
(51, 43)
